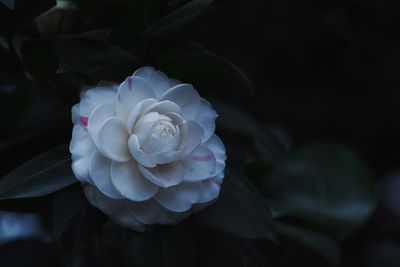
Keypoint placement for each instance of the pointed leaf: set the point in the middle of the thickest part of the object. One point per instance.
(45, 174)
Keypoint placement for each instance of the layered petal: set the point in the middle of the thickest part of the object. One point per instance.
(100, 173)
(166, 175)
(138, 154)
(199, 165)
(192, 136)
(81, 145)
(97, 119)
(136, 112)
(118, 210)
(94, 97)
(130, 182)
(217, 147)
(113, 140)
(206, 118)
(159, 81)
(130, 93)
(179, 198)
(186, 97)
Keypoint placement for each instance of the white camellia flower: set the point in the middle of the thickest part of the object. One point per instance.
(145, 151)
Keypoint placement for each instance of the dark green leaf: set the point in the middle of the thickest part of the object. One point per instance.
(193, 63)
(324, 185)
(98, 59)
(179, 18)
(229, 117)
(320, 244)
(45, 174)
(240, 211)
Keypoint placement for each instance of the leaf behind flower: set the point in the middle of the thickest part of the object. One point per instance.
(45, 174)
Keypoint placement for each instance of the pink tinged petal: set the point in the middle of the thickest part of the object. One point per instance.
(113, 140)
(84, 120)
(138, 154)
(217, 147)
(75, 114)
(94, 97)
(145, 124)
(97, 119)
(199, 165)
(130, 93)
(191, 137)
(209, 190)
(163, 107)
(206, 118)
(117, 209)
(166, 175)
(159, 81)
(179, 198)
(129, 181)
(186, 97)
(100, 172)
(136, 112)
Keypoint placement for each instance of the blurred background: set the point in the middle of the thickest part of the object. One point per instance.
(319, 71)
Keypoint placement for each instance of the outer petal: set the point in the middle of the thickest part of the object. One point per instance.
(93, 97)
(192, 136)
(81, 145)
(100, 173)
(116, 209)
(179, 198)
(217, 147)
(97, 119)
(128, 180)
(163, 107)
(130, 93)
(159, 81)
(166, 175)
(150, 212)
(186, 97)
(138, 154)
(80, 168)
(113, 140)
(206, 118)
(75, 114)
(209, 190)
(199, 165)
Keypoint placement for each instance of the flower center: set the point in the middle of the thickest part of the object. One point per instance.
(164, 129)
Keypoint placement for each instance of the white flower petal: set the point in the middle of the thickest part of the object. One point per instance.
(113, 140)
(130, 182)
(163, 107)
(100, 173)
(75, 114)
(199, 165)
(93, 97)
(80, 168)
(192, 136)
(166, 175)
(217, 147)
(81, 145)
(186, 97)
(117, 209)
(150, 212)
(144, 125)
(179, 198)
(138, 154)
(206, 118)
(136, 112)
(97, 119)
(159, 81)
(130, 93)
(209, 190)
(164, 157)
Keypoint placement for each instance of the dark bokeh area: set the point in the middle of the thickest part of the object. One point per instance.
(320, 70)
